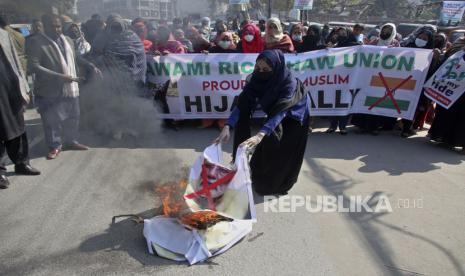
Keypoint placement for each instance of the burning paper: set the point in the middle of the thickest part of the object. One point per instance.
(205, 215)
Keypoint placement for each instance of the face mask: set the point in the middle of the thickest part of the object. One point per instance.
(248, 38)
(420, 42)
(297, 37)
(263, 76)
(224, 44)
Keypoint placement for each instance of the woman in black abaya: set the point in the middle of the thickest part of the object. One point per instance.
(281, 142)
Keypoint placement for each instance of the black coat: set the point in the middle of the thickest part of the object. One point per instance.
(13, 91)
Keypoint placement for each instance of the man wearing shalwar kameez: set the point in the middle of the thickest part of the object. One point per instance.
(53, 60)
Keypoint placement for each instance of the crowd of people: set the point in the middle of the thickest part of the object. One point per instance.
(70, 61)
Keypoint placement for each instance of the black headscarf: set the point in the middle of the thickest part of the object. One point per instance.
(429, 45)
(119, 41)
(281, 86)
(349, 40)
(312, 43)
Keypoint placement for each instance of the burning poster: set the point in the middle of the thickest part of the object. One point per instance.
(206, 214)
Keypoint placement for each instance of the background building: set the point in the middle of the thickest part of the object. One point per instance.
(147, 9)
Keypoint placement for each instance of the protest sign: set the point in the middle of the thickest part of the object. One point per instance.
(452, 12)
(303, 4)
(448, 83)
(362, 79)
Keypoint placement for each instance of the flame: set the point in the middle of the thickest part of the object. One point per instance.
(175, 206)
(172, 199)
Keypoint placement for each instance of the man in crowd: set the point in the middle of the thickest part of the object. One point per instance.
(53, 60)
(92, 27)
(13, 98)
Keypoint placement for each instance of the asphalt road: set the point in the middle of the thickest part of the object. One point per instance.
(60, 222)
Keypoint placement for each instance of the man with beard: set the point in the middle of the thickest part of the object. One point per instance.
(53, 59)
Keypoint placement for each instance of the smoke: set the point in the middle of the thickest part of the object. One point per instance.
(115, 105)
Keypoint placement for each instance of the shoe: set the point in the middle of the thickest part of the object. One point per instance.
(76, 146)
(343, 132)
(26, 169)
(4, 183)
(330, 130)
(53, 154)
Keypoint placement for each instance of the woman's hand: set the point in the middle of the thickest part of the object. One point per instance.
(224, 136)
(253, 141)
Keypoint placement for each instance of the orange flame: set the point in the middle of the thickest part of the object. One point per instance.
(172, 199)
(175, 206)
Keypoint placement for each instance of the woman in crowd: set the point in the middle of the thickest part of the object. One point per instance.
(199, 43)
(372, 35)
(121, 55)
(386, 37)
(423, 40)
(449, 124)
(204, 28)
(140, 28)
(166, 44)
(312, 41)
(80, 43)
(225, 45)
(280, 144)
(340, 37)
(297, 36)
(179, 36)
(441, 42)
(275, 38)
(373, 123)
(251, 40)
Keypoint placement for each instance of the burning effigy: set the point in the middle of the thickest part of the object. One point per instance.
(207, 213)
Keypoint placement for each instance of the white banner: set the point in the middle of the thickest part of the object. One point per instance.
(448, 83)
(362, 79)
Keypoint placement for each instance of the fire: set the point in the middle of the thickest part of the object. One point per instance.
(171, 195)
(175, 206)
